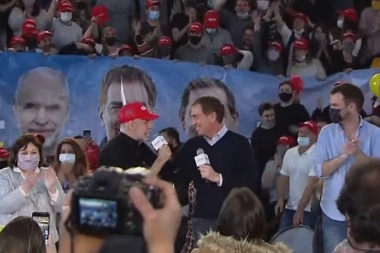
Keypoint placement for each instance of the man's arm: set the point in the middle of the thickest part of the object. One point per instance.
(307, 193)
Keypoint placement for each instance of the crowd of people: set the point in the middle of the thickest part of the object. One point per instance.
(298, 169)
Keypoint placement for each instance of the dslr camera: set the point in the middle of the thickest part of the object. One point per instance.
(100, 204)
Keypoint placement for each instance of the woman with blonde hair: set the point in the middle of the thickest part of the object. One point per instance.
(241, 227)
(70, 163)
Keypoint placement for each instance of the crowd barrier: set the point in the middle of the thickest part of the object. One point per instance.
(28, 103)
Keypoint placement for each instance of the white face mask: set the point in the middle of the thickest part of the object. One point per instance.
(299, 32)
(242, 15)
(65, 16)
(303, 141)
(67, 158)
(273, 55)
(339, 23)
(300, 58)
(262, 5)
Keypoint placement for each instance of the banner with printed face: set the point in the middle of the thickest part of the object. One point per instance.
(60, 96)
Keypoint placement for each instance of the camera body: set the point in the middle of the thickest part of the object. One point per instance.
(101, 206)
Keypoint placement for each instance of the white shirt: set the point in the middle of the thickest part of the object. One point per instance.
(298, 168)
(247, 60)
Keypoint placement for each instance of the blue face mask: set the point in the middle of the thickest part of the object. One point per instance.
(303, 141)
(154, 15)
(210, 31)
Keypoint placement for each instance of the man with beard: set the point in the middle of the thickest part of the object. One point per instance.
(137, 86)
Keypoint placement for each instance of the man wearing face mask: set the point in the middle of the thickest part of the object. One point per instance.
(271, 62)
(347, 51)
(234, 58)
(194, 51)
(214, 37)
(152, 29)
(235, 23)
(64, 30)
(348, 140)
(297, 180)
(164, 49)
(289, 114)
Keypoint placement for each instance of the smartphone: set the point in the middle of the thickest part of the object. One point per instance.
(258, 123)
(43, 220)
(87, 133)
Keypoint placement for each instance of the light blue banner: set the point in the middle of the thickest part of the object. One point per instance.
(60, 96)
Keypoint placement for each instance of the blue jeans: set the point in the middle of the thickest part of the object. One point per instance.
(201, 227)
(333, 233)
(287, 219)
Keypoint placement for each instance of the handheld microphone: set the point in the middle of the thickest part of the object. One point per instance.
(201, 159)
(158, 142)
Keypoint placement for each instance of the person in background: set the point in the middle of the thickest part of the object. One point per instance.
(86, 46)
(234, 58)
(91, 149)
(164, 48)
(215, 36)
(17, 44)
(302, 63)
(171, 135)
(108, 45)
(27, 187)
(82, 14)
(23, 234)
(4, 154)
(269, 182)
(194, 50)
(45, 44)
(65, 31)
(288, 113)
(125, 50)
(29, 33)
(70, 163)
(5, 9)
(297, 180)
(240, 227)
(264, 138)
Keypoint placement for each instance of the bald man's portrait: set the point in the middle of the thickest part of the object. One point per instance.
(41, 105)
(137, 85)
(208, 87)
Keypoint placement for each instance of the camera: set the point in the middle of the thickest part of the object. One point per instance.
(100, 203)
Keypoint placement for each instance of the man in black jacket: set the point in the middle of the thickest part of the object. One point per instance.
(231, 164)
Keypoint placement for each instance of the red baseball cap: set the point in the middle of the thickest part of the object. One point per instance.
(350, 14)
(287, 140)
(164, 41)
(302, 16)
(3, 153)
(88, 41)
(41, 35)
(17, 40)
(228, 49)
(135, 110)
(311, 125)
(349, 35)
(196, 27)
(100, 12)
(211, 19)
(65, 6)
(29, 26)
(302, 44)
(151, 3)
(277, 45)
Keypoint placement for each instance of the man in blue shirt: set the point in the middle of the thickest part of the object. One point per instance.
(347, 140)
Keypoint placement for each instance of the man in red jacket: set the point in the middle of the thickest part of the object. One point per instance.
(91, 149)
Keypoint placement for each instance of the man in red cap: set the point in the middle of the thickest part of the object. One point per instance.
(234, 58)
(17, 44)
(64, 29)
(29, 33)
(45, 44)
(194, 50)
(164, 48)
(297, 179)
(215, 36)
(127, 149)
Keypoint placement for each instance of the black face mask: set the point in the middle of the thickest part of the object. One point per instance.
(164, 51)
(110, 41)
(285, 97)
(81, 6)
(195, 40)
(335, 116)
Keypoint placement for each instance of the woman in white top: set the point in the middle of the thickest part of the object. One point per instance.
(26, 186)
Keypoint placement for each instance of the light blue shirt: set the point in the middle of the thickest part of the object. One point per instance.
(330, 143)
(217, 137)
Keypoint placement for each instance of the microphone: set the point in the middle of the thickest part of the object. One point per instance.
(158, 142)
(201, 159)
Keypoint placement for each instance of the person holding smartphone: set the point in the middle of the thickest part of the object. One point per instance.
(27, 186)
